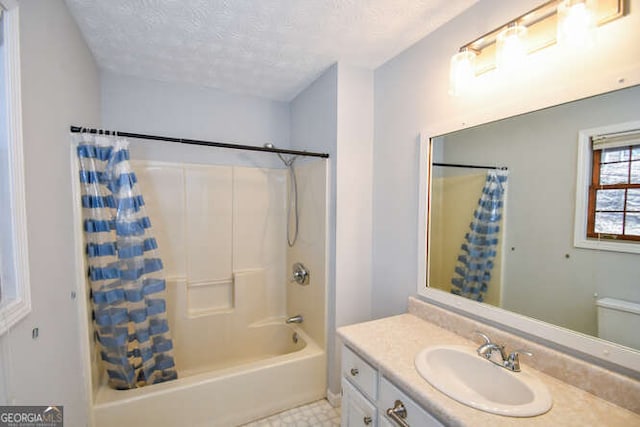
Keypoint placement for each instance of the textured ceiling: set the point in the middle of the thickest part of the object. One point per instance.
(269, 48)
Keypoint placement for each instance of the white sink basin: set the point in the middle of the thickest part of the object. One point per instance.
(461, 374)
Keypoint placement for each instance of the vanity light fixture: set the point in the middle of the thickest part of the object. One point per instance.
(462, 71)
(511, 51)
(569, 22)
(577, 23)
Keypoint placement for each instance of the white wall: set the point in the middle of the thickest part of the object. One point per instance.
(314, 115)
(335, 115)
(184, 110)
(60, 86)
(353, 195)
(411, 97)
(354, 173)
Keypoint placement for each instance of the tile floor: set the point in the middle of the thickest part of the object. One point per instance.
(316, 414)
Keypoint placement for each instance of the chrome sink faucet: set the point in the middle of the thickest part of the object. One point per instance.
(486, 350)
(510, 362)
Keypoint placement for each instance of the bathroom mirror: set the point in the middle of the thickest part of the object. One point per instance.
(538, 272)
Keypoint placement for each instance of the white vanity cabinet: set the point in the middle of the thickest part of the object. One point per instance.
(367, 396)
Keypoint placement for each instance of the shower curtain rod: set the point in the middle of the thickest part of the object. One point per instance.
(457, 165)
(78, 129)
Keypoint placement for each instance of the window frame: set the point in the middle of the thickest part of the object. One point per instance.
(593, 191)
(16, 295)
(585, 187)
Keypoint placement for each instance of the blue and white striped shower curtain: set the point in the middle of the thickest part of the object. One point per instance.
(477, 254)
(127, 291)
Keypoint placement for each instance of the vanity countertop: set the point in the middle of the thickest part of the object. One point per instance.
(390, 344)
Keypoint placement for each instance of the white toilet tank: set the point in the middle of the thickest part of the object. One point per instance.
(619, 321)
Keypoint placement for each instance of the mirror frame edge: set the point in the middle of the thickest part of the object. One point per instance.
(424, 200)
(597, 351)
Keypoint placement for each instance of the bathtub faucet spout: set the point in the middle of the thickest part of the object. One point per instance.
(295, 319)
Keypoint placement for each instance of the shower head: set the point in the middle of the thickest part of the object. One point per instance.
(287, 163)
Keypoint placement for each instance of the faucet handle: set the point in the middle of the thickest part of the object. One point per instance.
(299, 274)
(515, 353)
(486, 339)
(513, 361)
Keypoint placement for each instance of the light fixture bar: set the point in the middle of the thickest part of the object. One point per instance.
(540, 23)
(528, 19)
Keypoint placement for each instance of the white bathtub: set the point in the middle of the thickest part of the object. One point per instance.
(262, 373)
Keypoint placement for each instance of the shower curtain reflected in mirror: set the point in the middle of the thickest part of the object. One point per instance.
(475, 261)
(127, 290)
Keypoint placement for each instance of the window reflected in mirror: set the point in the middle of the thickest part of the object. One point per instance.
(614, 194)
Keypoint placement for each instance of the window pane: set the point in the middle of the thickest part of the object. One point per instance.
(632, 226)
(635, 154)
(635, 172)
(633, 200)
(610, 200)
(608, 223)
(614, 173)
(615, 155)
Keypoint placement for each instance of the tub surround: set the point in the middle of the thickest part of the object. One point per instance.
(227, 396)
(390, 345)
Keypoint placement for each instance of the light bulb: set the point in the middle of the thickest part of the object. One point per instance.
(576, 23)
(461, 72)
(511, 52)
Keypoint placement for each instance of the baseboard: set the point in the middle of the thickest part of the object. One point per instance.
(335, 399)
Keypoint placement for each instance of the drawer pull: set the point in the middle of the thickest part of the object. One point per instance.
(398, 414)
(367, 420)
(354, 371)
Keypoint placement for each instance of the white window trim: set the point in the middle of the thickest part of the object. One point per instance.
(582, 191)
(18, 302)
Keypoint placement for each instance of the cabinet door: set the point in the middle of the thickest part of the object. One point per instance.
(390, 395)
(356, 409)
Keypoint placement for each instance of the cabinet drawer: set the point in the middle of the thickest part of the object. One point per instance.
(360, 373)
(356, 409)
(416, 416)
